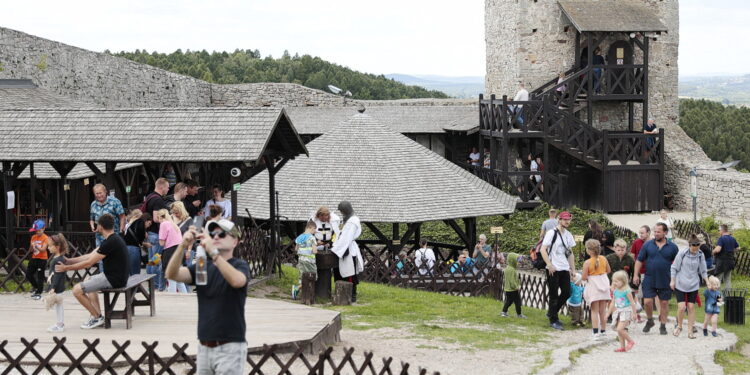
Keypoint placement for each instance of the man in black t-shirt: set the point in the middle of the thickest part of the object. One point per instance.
(192, 202)
(221, 302)
(114, 254)
(155, 202)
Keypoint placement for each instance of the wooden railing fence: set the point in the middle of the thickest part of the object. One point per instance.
(37, 357)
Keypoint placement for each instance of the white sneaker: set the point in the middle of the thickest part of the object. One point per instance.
(56, 328)
(93, 323)
(595, 336)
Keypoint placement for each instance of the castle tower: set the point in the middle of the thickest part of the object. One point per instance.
(533, 41)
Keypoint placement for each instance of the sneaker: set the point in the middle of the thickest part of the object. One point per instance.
(93, 323)
(594, 337)
(521, 316)
(662, 329)
(557, 325)
(705, 332)
(36, 297)
(602, 336)
(649, 324)
(630, 346)
(504, 314)
(56, 328)
(714, 334)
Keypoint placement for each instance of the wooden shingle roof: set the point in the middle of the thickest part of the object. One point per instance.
(44, 171)
(385, 175)
(403, 119)
(145, 135)
(35, 97)
(612, 15)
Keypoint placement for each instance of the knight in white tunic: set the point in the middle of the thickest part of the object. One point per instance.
(327, 227)
(346, 248)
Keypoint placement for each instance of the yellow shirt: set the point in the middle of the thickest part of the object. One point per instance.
(593, 269)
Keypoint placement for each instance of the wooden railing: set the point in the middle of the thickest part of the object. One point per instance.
(633, 148)
(620, 79)
(91, 357)
(503, 115)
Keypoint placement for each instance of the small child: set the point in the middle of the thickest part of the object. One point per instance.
(575, 302)
(712, 296)
(306, 249)
(58, 246)
(511, 284)
(38, 261)
(623, 307)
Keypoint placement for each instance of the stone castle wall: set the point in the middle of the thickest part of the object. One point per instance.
(96, 77)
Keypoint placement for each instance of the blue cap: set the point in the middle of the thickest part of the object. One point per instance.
(38, 224)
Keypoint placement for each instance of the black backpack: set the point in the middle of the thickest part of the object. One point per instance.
(538, 262)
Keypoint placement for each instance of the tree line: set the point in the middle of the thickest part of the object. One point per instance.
(722, 131)
(246, 66)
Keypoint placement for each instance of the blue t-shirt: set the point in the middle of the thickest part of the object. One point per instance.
(658, 263)
(576, 295)
(728, 244)
(621, 298)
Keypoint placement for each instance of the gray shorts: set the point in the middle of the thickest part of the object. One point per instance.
(227, 359)
(95, 283)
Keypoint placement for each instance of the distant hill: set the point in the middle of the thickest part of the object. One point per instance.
(247, 66)
(460, 87)
(725, 89)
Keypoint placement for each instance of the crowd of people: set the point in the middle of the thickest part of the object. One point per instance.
(617, 284)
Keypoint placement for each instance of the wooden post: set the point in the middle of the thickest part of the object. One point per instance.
(645, 81)
(32, 193)
(308, 288)
(272, 212)
(661, 168)
(9, 225)
(590, 74)
(343, 293)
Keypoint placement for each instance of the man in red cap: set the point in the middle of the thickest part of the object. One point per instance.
(38, 261)
(557, 254)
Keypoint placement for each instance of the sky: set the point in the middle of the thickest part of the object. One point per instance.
(381, 37)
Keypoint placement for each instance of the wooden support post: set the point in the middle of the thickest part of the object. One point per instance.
(308, 288)
(9, 223)
(590, 80)
(272, 212)
(32, 193)
(470, 223)
(395, 244)
(343, 294)
(631, 116)
(645, 81)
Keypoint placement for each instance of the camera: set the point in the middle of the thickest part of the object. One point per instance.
(235, 172)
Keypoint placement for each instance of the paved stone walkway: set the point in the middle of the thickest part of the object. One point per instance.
(652, 354)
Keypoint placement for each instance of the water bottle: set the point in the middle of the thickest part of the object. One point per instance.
(201, 274)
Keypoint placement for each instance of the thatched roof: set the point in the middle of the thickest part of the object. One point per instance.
(145, 135)
(403, 119)
(612, 15)
(385, 175)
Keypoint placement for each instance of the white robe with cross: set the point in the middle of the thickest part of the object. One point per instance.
(347, 240)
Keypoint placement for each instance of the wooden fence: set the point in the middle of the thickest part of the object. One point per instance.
(36, 357)
(449, 278)
(683, 228)
(253, 249)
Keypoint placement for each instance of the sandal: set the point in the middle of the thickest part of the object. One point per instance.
(677, 331)
(620, 350)
(691, 335)
(630, 345)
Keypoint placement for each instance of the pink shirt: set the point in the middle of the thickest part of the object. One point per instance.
(169, 233)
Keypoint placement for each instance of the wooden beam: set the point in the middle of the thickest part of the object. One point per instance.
(645, 81)
(382, 237)
(460, 232)
(410, 229)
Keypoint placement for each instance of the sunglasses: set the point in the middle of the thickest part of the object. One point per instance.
(695, 244)
(220, 233)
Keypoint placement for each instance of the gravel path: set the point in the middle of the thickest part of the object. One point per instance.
(656, 354)
(449, 358)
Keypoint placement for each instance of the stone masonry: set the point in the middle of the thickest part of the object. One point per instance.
(532, 41)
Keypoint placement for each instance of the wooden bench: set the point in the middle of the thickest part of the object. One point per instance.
(133, 288)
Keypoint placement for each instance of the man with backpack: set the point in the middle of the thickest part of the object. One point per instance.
(424, 258)
(153, 203)
(559, 262)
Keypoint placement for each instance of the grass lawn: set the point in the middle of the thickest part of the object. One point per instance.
(472, 322)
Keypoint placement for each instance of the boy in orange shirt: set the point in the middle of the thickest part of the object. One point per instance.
(38, 261)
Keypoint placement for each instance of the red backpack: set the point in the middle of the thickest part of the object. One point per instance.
(144, 205)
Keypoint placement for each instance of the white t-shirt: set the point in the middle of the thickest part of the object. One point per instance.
(669, 223)
(475, 156)
(429, 257)
(557, 253)
(226, 205)
(535, 168)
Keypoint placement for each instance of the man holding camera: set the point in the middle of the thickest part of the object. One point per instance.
(560, 261)
(221, 302)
